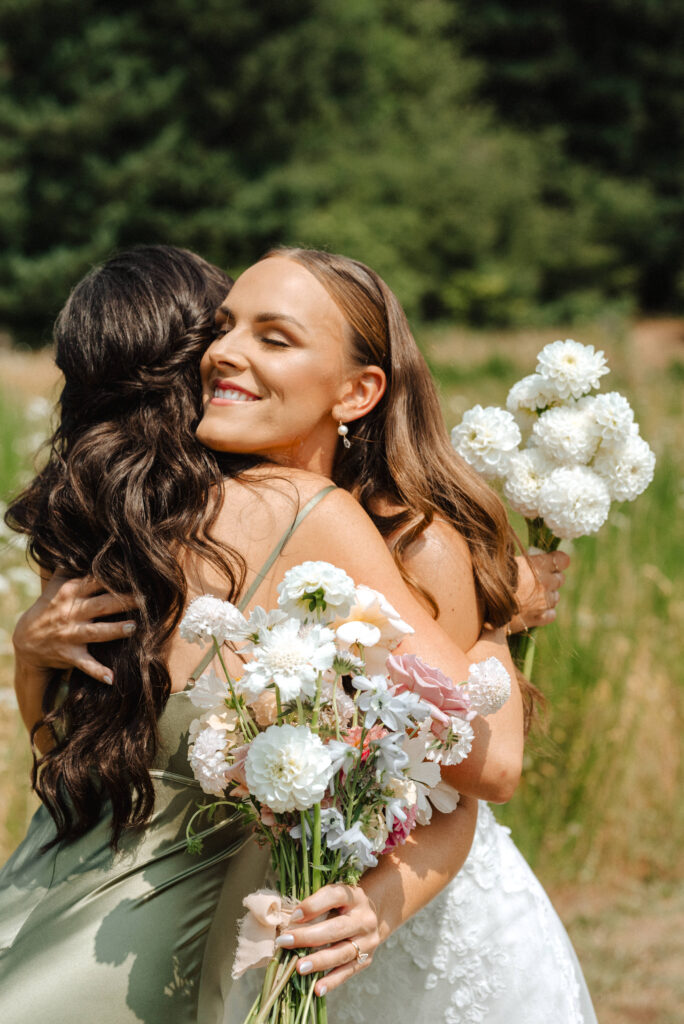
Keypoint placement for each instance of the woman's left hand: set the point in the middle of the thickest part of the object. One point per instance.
(538, 593)
(349, 937)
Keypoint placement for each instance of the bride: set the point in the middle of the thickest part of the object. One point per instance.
(458, 957)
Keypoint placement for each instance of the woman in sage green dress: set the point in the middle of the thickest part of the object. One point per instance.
(104, 914)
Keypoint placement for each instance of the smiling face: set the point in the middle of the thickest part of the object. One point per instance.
(279, 376)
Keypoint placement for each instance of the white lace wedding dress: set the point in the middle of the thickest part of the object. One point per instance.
(490, 949)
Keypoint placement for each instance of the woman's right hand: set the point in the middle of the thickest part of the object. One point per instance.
(55, 631)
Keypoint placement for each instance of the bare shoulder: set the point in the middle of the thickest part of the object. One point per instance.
(438, 545)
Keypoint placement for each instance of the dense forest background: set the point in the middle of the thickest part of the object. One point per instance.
(498, 162)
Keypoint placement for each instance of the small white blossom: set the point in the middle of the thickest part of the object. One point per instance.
(354, 845)
(207, 757)
(567, 433)
(390, 756)
(261, 621)
(485, 438)
(531, 393)
(627, 469)
(613, 416)
(291, 657)
(574, 501)
(342, 755)
(526, 473)
(209, 690)
(488, 686)
(455, 743)
(208, 618)
(288, 768)
(379, 703)
(316, 590)
(572, 368)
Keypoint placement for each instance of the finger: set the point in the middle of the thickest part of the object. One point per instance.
(323, 933)
(561, 560)
(102, 632)
(330, 897)
(86, 663)
(106, 604)
(82, 586)
(339, 975)
(547, 617)
(331, 957)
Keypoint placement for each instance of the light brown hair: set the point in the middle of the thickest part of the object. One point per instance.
(401, 453)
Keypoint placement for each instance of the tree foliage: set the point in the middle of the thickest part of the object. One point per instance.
(360, 127)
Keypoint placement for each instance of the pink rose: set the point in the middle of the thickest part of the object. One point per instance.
(401, 830)
(408, 672)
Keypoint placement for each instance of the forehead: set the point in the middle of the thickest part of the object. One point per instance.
(281, 286)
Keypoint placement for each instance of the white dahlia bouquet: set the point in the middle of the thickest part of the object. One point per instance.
(561, 453)
(329, 742)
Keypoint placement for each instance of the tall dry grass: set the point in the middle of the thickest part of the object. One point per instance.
(602, 781)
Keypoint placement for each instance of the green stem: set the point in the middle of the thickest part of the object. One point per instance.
(316, 849)
(248, 727)
(305, 854)
(338, 735)
(287, 974)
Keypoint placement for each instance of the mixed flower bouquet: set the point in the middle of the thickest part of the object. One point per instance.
(330, 743)
(562, 454)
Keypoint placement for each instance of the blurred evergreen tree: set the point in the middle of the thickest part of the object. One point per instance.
(232, 127)
(610, 76)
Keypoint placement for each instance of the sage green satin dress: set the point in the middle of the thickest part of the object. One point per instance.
(89, 936)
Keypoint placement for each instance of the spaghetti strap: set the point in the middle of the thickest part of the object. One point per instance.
(258, 579)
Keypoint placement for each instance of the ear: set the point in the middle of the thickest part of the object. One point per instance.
(361, 393)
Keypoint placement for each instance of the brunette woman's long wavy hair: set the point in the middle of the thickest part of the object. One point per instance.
(126, 490)
(400, 451)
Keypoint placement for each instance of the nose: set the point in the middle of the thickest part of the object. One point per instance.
(226, 353)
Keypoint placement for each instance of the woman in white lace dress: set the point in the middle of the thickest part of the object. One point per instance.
(490, 948)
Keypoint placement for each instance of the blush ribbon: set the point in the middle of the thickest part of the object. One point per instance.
(267, 913)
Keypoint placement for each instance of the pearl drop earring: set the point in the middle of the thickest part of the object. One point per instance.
(343, 430)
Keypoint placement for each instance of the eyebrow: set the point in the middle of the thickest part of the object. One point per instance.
(263, 318)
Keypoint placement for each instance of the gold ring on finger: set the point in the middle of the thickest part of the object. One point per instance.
(360, 957)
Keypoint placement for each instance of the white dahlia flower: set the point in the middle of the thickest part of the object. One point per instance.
(488, 686)
(288, 768)
(567, 433)
(486, 438)
(207, 756)
(289, 656)
(613, 415)
(208, 618)
(574, 501)
(527, 471)
(531, 393)
(572, 368)
(627, 469)
(317, 590)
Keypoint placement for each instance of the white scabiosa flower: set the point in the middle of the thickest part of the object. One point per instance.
(486, 438)
(289, 656)
(626, 469)
(572, 368)
(207, 756)
(488, 686)
(613, 416)
(208, 618)
(567, 433)
(316, 590)
(574, 501)
(527, 471)
(454, 744)
(531, 393)
(288, 768)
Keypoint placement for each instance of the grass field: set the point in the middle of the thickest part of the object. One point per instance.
(599, 813)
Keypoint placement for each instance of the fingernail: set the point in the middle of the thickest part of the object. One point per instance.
(322, 990)
(285, 940)
(305, 966)
(108, 679)
(296, 915)
(129, 627)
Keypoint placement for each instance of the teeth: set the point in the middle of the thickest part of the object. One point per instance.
(233, 395)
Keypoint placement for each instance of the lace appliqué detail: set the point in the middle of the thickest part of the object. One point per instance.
(489, 949)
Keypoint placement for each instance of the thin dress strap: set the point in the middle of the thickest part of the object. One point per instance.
(258, 579)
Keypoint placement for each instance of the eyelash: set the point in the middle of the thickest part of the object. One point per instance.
(274, 341)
